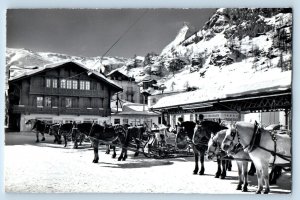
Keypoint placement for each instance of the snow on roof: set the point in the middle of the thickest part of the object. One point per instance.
(54, 65)
(116, 70)
(135, 109)
(257, 84)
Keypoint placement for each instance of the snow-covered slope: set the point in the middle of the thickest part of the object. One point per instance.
(235, 46)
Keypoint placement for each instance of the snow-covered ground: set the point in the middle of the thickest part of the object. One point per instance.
(47, 167)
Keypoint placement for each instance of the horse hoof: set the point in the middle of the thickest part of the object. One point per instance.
(113, 156)
(217, 176)
(266, 191)
(136, 154)
(229, 169)
(37, 141)
(43, 139)
(222, 177)
(95, 161)
(239, 187)
(119, 159)
(201, 173)
(258, 192)
(245, 189)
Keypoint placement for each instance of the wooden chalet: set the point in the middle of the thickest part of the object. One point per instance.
(62, 92)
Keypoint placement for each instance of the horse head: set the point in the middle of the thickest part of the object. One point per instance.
(214, 144)
(230, 140)
(203, 131)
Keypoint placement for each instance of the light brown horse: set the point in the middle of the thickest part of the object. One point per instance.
(263, 148)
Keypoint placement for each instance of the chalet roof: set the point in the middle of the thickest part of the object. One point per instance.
(56, 65)
(117, 71)
(256, 87)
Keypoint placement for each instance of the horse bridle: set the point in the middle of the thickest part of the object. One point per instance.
(215, 144)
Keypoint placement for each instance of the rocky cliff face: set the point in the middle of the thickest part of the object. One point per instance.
(246, 40)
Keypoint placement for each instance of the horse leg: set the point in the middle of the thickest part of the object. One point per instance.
(196, 155)
(252, 169)
(275, 174)
(219, 168)
(65, 139)
(125, 155)
(96, 156)
(137, 147)
(265, 176)
(59, 139)
(245, 176)
(37, 137)
(107, 149)
(224, 167)
(239, 165)
(259, 171)
(228, 165)
(121, 154)
(202, 162)
(43, 137)
(114, 152)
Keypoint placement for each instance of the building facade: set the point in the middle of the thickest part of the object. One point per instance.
(60, 93)
(135, 114)
(131, 90)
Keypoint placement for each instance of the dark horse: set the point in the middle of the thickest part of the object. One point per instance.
(199, 135)
(100, 134)
(40, 127)
(133, 138)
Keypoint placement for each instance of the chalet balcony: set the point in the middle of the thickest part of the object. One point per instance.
(58, 111)
(67, 92)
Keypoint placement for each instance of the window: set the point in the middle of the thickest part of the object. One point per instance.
(75, 84)
(39, 101)
(159, 120)
(153, 100)
(63, 83)
(68, 102)
(48, 101)
(82, 85)
(87, 85)
(69, 84)
(48, 82)
(125, 121)
(54, 83)
(116, 121)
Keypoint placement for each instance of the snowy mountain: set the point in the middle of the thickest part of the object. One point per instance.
(19, 61)
(234, 46)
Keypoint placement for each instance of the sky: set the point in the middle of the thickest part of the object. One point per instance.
(83, 32)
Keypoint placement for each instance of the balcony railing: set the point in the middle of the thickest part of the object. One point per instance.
(68, 92)
(60, 110)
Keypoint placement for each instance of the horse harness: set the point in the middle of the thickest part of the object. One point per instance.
(255, 143)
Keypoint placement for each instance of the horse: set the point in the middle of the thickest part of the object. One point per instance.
(202, 133)
(40, 127)
(134, 134)
(214, 147)
(100, 134)
(214, 150)
(66, 131)
(54, 130)
(263, 147)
